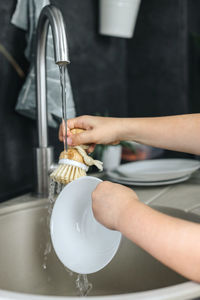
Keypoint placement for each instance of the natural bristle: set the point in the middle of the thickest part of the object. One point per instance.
(74, 163)
(67, 173)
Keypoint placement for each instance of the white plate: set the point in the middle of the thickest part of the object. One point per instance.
(157, 169)
(115, 178)
(81, 243)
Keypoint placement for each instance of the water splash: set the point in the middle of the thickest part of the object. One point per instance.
(51, 200)
(83, 285)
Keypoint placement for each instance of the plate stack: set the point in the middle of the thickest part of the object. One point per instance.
(154, 172)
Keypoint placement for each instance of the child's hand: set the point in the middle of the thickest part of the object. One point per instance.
(110, 201)
(98, 130)
(61, 132)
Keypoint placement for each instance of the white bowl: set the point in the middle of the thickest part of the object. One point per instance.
(81, 243)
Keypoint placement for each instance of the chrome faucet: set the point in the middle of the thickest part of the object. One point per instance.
(52, 16)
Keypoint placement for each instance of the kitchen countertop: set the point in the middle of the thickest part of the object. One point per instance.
(184, 196)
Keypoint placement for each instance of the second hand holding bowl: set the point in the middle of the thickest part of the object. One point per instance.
(81, 243)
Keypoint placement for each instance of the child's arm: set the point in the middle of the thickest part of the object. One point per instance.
(173, 241)
(179, 133)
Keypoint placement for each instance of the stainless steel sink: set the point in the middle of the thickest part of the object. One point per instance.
(23, 238)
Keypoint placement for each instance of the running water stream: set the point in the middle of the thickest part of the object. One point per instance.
(63, 70)
(82, 284)
(54, 188)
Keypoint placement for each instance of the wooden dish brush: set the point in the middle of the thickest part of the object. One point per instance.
(74, 163)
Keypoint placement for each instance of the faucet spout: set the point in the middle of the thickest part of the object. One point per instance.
(53, 16)
(50, 16)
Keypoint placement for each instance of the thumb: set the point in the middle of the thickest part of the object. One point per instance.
(80, 138)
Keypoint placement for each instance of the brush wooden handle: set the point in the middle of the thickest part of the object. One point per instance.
(76, 130)
(71, 154)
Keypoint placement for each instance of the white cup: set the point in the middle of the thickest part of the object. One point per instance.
(112, 157)
(118, 17)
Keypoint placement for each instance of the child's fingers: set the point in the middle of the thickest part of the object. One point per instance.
(76, 123)
(83, 138)
(60, 133)
(91, 148)
(115, 143)
(68, 131)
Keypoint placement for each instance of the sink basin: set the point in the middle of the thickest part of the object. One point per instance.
(24, 269)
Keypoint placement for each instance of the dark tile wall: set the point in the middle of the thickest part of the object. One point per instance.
(157, 60)
(97, 69)
(144, 76)
(16, 132)
(194, 54)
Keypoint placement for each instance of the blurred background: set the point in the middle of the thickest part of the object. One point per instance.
(155, 73)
